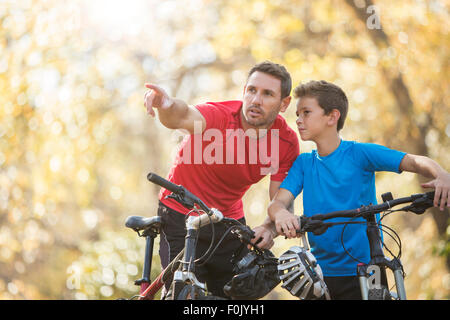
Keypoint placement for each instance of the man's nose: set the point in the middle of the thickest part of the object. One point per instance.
(257, 100)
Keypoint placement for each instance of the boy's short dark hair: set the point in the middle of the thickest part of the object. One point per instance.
(278, 71)
(329, 96)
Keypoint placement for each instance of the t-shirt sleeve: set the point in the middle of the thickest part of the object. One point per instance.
(215, 116)
(287, 161)
(294, 180)
(375, 157)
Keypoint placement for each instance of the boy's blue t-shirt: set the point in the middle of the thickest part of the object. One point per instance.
(343, 180)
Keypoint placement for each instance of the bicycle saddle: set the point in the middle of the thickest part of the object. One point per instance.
(138, 223)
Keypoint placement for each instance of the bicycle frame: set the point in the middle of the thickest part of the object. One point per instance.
(149, 290)
(184, 274)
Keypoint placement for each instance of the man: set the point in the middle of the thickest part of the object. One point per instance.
(231, 145)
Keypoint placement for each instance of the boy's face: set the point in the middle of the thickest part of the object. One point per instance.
(311, 119)
(262, 100)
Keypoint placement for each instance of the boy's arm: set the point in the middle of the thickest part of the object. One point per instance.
(285, 221)
(430, 169)
(173, 113)
(267, 231)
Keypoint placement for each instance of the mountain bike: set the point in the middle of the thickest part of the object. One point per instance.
(372, 275)
(185, 285)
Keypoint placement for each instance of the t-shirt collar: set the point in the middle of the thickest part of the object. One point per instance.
(331, 154)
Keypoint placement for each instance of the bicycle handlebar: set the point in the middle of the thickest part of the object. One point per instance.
(188, 200)
(152, 177)
(179, 193)
(419, 203)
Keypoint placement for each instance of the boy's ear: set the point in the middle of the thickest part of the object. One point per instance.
(285, 102)
(334, 117)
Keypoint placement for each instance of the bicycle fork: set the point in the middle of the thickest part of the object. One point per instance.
(187, 268)
(372, 276)
(368, 279)
(185, 274)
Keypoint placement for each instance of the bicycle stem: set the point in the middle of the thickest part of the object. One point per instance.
(196, 222)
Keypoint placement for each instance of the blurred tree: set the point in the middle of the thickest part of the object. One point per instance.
(66, 132)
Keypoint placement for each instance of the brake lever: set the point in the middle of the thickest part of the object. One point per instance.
(185, 198)
(317, 227)
(182, 199)
(244, 233)
(420, 205)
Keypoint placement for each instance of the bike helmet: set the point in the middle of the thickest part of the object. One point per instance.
(301, 275)
(256, 275)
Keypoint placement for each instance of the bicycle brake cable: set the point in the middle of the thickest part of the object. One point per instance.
(399, 244)
(342, 236)
(213, 235)
(209, 253)
(396, 239)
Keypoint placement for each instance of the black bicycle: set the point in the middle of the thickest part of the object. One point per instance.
(372, 286)
(185, 285)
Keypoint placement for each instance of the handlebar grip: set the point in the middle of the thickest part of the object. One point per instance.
(430, 195)
(152, 177)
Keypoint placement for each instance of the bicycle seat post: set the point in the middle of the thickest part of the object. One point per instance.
(150, 235)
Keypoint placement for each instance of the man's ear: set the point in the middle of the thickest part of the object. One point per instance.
(335, 115)
(285, 102)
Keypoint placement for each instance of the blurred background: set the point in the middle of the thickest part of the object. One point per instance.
(76, 142)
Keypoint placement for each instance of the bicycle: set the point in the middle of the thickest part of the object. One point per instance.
(185, 285)
(367, 272)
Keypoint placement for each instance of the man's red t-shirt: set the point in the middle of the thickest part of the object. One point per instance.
(220, 164)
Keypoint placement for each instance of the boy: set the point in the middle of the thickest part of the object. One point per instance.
(340, 175)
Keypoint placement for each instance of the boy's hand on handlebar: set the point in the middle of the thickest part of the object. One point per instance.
(287, 224)
(441, 186)
(263, 237)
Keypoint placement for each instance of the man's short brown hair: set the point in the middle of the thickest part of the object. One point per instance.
(278, 71)
(329, 96)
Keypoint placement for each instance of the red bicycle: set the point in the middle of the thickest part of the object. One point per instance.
(185, 285)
